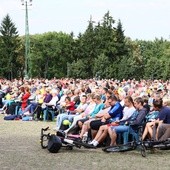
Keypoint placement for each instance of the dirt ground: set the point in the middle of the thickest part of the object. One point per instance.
(20, 150)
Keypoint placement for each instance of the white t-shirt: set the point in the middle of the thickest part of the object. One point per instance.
(127, 112)
(53, 101)
(82, 106)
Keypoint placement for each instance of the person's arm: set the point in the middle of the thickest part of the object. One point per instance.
(97, 109)
(25, 96)
(113, 111)
(139, 118)
(105, 117)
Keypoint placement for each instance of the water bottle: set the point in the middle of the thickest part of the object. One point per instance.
(30, 118)
(84, 139)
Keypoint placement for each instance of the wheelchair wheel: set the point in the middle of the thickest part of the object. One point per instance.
(143, 150)
(44, 138)
(119, 148)
(69, 147)
(80, 143)
(44, 141)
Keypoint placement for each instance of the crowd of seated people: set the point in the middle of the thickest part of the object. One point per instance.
(100, 108)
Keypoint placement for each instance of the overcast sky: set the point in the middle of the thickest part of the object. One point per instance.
(141, 19)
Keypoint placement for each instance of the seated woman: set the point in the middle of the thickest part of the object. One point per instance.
(85, 122)
(51, 103)
(24, 98)
(21, 99)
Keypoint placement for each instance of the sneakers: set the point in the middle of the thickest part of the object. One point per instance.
(90, 142)
(94, 143)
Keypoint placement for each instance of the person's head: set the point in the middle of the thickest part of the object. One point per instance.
(122, 95)
(69, 93)
(76, 92)
(37, 92)
(97, 98)
(138, 103)
(26, 89)
(67, 99)
(22, 89)
(109, 93)
(54, 92)
(128, 101)
(145, 99)
(157, 104)
(112, 100)
(166, 101)
(157, 96)
(104, 90)
(83, 99)
(90, 97)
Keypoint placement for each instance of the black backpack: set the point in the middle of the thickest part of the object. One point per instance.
(54, 144)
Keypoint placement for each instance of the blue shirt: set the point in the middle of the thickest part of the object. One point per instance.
(116, 111)
(97, 108)
(164, 114)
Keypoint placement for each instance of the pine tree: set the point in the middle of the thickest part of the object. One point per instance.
(10, 47)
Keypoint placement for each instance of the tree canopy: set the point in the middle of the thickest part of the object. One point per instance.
(102, 51)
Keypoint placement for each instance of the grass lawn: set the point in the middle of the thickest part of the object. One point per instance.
(20, 149)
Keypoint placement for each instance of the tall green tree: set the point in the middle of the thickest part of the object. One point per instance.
(10, 49)
(50, 54)
(120, 41)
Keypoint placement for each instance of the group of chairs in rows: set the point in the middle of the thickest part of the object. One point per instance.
(13, 110)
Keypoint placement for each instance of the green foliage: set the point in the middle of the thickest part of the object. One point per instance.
(78, 69)
(101, 66)
(10, 47)
(102, 51)
(50, 53)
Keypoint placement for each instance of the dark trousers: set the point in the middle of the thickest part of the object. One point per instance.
(95, 124)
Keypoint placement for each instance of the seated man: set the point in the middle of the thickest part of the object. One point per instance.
(114, 114)
(135, 120)
(163, 132)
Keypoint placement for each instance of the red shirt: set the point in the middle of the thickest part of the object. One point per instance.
(24, 100)
(71, 106)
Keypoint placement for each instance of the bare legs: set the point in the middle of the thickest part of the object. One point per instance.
(85, 127)
(148, 130)
(102, 133)
(113, 136)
